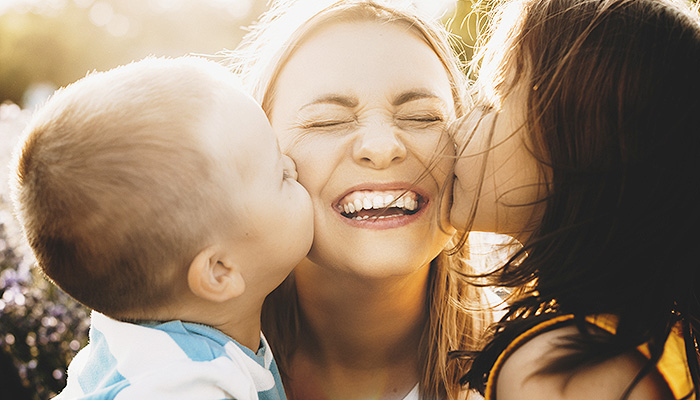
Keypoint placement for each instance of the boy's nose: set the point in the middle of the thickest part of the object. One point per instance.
(290, 167)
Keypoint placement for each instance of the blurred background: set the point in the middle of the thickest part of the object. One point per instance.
(46, 44)
(49, 43)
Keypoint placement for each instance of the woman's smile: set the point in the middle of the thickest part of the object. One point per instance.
(368, 139)
(381, 206)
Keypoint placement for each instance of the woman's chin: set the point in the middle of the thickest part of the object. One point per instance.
(380, 258)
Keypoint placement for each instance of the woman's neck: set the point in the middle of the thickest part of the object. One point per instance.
(369, 329)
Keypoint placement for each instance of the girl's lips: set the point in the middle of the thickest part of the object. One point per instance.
(381, 206)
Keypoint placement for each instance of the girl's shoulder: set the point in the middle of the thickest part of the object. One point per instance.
(517, 378)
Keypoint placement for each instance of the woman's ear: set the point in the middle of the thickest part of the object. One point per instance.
(214, 276)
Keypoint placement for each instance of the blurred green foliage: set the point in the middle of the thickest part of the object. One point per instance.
(465, 22)
(56, 45)
(60, 45)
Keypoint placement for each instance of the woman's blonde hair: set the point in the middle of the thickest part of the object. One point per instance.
(450, 301)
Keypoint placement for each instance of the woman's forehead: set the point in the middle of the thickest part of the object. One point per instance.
(345, 56)
(385, 30)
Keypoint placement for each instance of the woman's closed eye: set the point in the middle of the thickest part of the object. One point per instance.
(420, 120)
(326, 123)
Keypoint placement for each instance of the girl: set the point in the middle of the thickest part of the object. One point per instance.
(585, 151)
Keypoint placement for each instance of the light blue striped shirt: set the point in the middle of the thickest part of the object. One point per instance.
(172, 360)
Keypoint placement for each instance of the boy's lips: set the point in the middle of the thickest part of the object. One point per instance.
(380, 207)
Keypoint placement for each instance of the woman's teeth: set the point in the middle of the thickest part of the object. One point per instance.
(363, 205)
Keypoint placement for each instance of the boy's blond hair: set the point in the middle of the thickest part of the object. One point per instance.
(114, 191)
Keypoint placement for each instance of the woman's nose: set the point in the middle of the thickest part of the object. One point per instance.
(378, 147)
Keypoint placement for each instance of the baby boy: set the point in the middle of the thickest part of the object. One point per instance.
(155, 194)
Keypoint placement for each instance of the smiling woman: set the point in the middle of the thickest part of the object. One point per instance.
(360, 94)
(372, 148)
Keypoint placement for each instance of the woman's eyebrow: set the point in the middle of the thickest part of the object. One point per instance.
(412, 95)
(341, 100)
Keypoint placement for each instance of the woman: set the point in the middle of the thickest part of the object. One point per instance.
(360, 94)
(585, 150)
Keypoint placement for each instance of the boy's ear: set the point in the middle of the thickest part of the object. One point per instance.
(215, 277)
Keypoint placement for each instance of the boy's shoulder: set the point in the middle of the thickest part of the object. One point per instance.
(160, 342)
(197, 342)
(182, 360)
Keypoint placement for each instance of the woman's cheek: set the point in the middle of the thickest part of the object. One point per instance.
(315, 159)
(435, 151)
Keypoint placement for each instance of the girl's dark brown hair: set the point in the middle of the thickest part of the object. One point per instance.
(613, 116)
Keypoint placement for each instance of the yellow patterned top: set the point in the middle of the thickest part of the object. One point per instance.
(673, 364)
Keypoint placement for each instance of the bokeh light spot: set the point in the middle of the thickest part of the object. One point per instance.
(83, 3)
(118, 26)
(101, 13)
